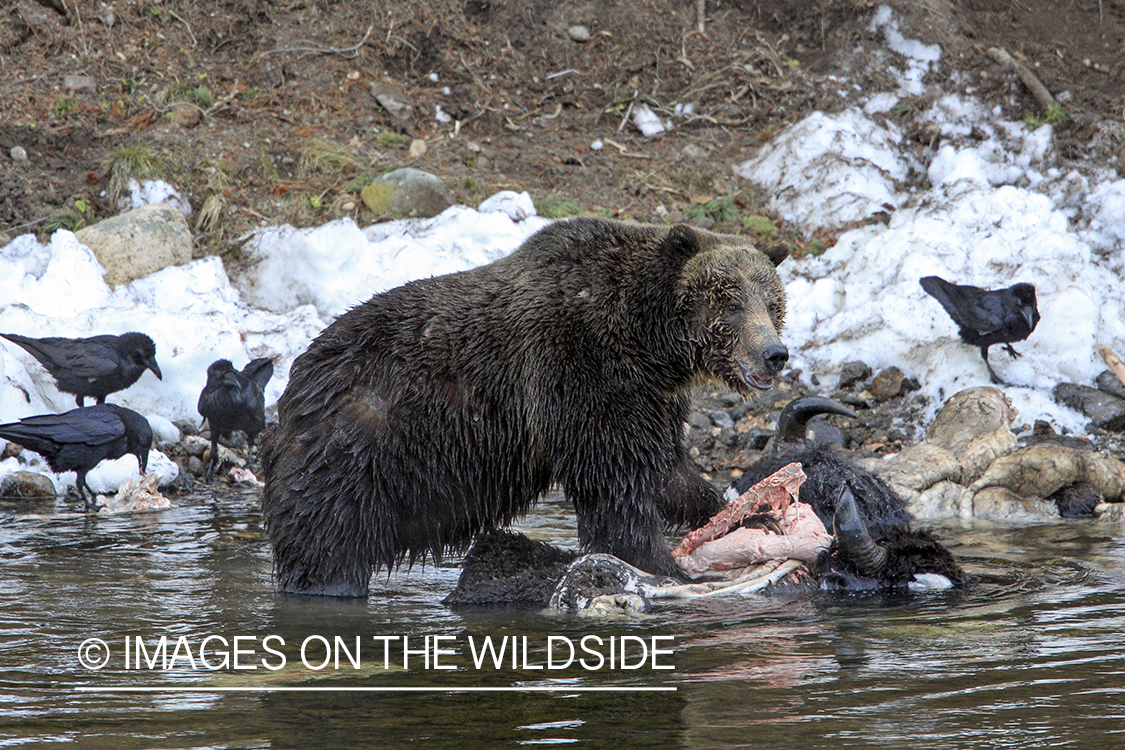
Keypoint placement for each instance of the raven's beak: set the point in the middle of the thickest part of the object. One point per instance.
(1029, 316)
(231, 379)
(151, 364)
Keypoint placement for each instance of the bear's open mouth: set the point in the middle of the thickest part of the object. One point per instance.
(761, 382)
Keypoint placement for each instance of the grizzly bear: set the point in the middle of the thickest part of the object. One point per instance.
(446, 406)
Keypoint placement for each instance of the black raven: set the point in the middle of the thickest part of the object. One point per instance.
(80, 439)
(234, 400)
(986, 317)
(95, 367)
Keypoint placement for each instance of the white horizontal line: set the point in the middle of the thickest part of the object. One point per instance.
(369, 689)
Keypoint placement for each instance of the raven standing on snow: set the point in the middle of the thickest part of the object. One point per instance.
(94, 367)
(80, 439)
(234, 400)
(987, 317)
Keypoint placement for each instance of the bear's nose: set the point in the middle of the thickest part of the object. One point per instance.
(775, 355)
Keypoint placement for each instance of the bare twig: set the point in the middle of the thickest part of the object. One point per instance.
(317, 48)
(628, 111)
(1034, 85)
(172, 13)
(700, 16)
(625, 151)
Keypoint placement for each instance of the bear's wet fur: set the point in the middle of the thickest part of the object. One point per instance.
(446, 406)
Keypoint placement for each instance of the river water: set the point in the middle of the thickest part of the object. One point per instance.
(1031, 655)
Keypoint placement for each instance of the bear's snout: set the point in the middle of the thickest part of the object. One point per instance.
(775, 357)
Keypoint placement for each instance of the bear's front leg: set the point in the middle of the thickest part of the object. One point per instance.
(688, 500)
(625, 522)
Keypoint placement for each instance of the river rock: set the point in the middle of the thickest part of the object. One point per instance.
(1103, 409)
(1111, 384)
(18, 154)
(409, 192)
(76, 82)
(392, 100)
(853, 373)
(888, 384)
(579, 33)
(27, 485)
(136, 243)
(186, 116)
(820, 434)
(722, 419)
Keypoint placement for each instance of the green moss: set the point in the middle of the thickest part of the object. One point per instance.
(762, 226)
(358, 183)
(388, 139)
(1054, 114)
(557, 206)
(319, 156)
(377, 197)
(136, 162)
(65, 106)
(722, 208)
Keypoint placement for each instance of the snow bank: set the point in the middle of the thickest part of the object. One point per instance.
(195, 315)
(338, 265)
(995, 211)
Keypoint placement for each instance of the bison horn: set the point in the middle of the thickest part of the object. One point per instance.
(854, 540)
(793, 422)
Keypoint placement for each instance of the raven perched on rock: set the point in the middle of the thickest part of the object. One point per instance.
(986, 317)
(234, 400)
(82, 438)
(96, 366)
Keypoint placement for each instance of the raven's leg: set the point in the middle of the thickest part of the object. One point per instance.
(91, 502)
(1011, 351)
(214, 457)
(80, 400)
(249, 451)
(992, 373)
(101, 399)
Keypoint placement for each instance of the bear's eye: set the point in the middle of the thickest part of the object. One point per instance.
(774, 308)
(734, 307)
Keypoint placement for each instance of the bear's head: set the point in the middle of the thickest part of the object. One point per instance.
(734, 304)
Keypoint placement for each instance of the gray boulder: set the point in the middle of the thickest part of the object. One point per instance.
(26, 485)
(408, 192)
(136, 243)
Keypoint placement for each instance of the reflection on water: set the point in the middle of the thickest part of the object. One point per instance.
(1031, 655)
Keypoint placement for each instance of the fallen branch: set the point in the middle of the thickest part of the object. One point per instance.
(1034, 85)
(1114, 362)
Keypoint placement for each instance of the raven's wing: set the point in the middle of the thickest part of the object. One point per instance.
(90, 358)
(93, 425)
(976, 312)
(259, 370)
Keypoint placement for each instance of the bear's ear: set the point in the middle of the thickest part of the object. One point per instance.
(681, 243)
(776, 252)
